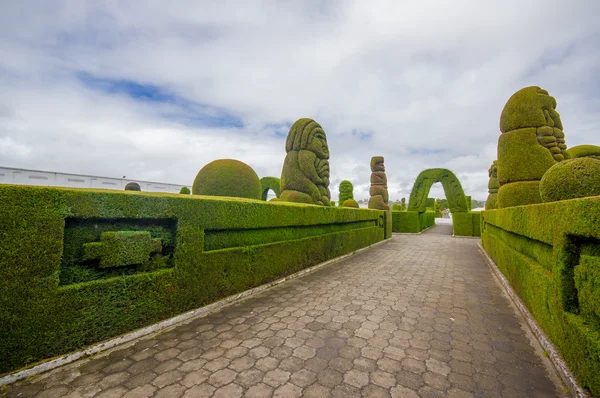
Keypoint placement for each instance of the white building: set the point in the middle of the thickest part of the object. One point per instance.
(9, 175)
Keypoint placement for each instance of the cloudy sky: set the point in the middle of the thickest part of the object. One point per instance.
(156, 89)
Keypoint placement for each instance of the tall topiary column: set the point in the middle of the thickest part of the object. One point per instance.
(305, 174)
(492, 199)
(379, 193)
(531, 142)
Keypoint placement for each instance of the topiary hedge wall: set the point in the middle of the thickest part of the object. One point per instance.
(412, 221)
(81, 266)
(550, 254)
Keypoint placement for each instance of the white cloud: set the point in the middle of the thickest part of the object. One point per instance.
(423, 82)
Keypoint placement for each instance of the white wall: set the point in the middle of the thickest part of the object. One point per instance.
(10, 175)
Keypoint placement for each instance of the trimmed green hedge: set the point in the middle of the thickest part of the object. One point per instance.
(466, 224)
(412, 221)
(184, 191)
(227, 177)
(272, 183)
(55, 297)
(550, 253)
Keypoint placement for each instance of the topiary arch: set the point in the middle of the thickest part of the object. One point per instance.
(457, 201)
(272, 183)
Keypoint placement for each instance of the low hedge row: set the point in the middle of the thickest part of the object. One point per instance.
(185, 252)
(412, 221)
(466, 224)
(550, 253)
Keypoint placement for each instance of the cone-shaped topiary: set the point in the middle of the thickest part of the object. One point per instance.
(184, 191)
(133, 186)
(227, 177)
(346, 191)
(272, 183)
(573, 178)
(305, 173)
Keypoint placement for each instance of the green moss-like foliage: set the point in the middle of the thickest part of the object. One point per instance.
(529, 107)
(519, 194)
(403, 204)
(570, 179)
(332, 203)
(272, 183)
(54, 301)
(584, 151)
(184, 191)
(227, 177)
(550, 254)
(305, 173)
(133, 186)
(346, 191)
(457, 201)
(350, 203)
(378, 190)
(396, 207)
(430, 203)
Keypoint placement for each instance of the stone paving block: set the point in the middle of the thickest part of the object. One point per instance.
(419, 316)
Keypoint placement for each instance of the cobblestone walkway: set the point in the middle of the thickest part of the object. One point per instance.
(418, 316)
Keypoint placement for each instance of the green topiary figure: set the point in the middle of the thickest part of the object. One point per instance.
(227, 177)
(492, 199)
(305, 174)
(403, 204)
(573, 178)
(378, 191)
(531, 142)
(184, 191)
(133, 186)
(272, 183)
(346, 192)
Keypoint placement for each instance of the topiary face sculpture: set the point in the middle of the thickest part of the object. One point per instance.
(534, 107)
(305, 174)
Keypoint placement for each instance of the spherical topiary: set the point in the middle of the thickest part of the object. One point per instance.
(350, 203)
(227, 177)
(570, 179)
(133, 186)
(184, 191)
(396, 207)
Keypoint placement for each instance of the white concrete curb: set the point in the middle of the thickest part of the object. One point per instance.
(148, 331)
(559, 364)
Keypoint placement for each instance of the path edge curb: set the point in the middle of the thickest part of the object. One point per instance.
(556, 359)
(149, 331)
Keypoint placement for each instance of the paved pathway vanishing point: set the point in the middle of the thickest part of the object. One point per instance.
(418, 316)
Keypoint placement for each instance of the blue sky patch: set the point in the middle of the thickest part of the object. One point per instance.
(184, 111)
